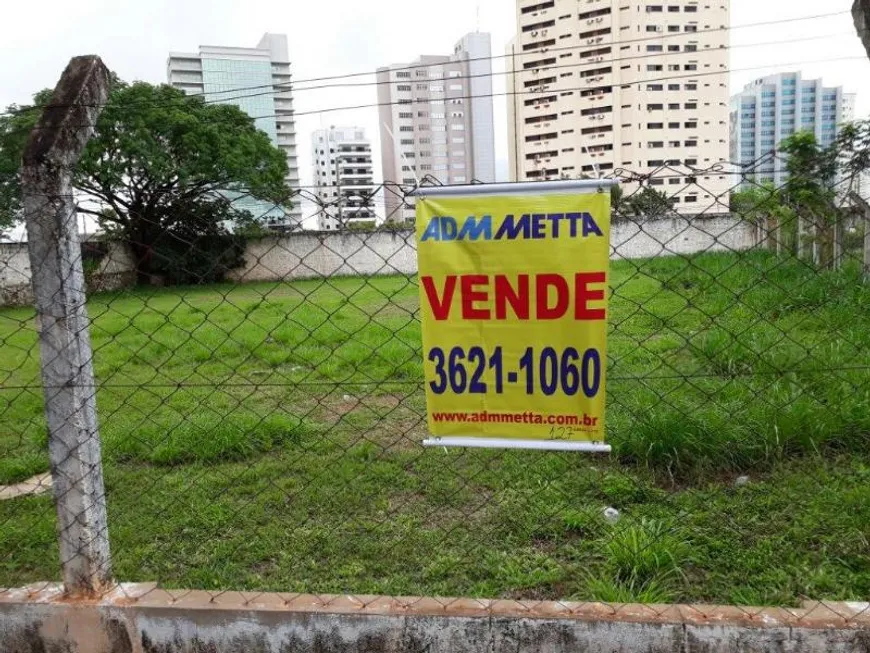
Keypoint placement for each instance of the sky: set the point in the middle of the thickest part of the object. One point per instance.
(334, 37)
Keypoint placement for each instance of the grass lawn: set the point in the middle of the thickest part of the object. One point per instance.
(267, 436)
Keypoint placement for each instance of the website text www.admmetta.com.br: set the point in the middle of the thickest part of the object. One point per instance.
(485, 417)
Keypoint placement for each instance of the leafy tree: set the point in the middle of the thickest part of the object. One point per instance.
(617, 199)
(763, 206)
(15, 126)
(853, 147)
(164, 167)
(809, 190)
(648, 204)
(811, 171)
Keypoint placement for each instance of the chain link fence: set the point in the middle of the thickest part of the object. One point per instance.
(260, 407)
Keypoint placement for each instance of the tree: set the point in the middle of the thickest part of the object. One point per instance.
(853, 148)
(617, 199)
(809, 190)
(762, 206)
(15, 126)
(648, 204)
(165, 167)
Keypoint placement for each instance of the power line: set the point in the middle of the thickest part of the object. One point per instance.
(538, 92)
(554, 49)
(541, 69)
(279, 88)
(533, 91)
(563, 90)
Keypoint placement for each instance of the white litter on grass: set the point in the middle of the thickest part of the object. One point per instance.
(39, 484)
(347, 398)
(741, 481)
(611, 515)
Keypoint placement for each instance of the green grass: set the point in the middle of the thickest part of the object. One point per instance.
(267, 436)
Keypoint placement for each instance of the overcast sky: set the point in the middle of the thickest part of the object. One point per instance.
(331, 37)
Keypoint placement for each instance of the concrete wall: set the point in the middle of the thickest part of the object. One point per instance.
(115, 271)
(315, 255)
(142, 619)
(305, 256)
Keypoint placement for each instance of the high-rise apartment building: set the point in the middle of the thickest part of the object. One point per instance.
(599, 85)
(436, 119)
(772, 108)
(239, 76)
(343, 176)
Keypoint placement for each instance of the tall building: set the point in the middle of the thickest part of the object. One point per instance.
(772, 108)
(238, 76)
(343, 175)
(436, 119)
(600, 85)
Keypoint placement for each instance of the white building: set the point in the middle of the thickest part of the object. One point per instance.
(602, 85)
(772, 108)
(342, 158)
(436, 120)
(257, 80)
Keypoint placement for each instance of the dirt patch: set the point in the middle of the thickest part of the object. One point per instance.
(34, 486)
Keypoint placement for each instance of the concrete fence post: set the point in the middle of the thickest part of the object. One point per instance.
(54, 147)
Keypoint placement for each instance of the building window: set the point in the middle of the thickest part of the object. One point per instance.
(691, 28)
(676, 87)
(655, 125)
(654, 48)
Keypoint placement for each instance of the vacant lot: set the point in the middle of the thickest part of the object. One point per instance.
(267, 436)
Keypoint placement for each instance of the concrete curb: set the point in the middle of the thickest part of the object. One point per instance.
(140, 618)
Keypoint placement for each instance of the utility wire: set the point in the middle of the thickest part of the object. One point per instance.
(280, 88)
(534, 91)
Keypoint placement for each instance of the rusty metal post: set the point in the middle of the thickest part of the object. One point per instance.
(54, 147)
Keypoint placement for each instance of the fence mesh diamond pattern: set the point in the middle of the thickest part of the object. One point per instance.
(261, 409)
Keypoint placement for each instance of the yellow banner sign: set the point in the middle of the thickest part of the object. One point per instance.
(513, 292)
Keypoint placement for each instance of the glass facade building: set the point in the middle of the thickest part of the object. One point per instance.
(257, 80)
(771, 109)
